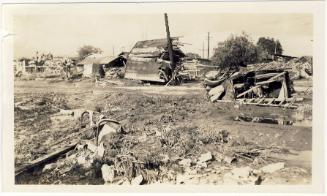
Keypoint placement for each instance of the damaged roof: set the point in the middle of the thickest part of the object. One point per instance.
(155, 47)
(96, 59)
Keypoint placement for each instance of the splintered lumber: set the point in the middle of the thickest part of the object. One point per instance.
(260, 101)
(272, 79)
(271, 100)
(268, 81)
(45, 159)
(247, 91)
(262, 76)
(55, 154)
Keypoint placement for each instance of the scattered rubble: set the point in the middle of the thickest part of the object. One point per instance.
(161, 147)
(301, 67)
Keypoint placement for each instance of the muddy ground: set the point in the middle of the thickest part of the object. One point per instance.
(166, 133)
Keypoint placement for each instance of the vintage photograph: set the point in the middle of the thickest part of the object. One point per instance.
(162, 98)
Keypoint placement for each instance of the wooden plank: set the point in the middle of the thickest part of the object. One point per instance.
(272, 79)
(46, 158)
(268, 81)
(282, 102)
(262, 76)
(261, 100)
(247, 91)
(271, 101)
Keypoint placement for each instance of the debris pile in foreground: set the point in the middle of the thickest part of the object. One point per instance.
(116, 155)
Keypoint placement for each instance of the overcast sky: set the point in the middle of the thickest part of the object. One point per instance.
(63, 34)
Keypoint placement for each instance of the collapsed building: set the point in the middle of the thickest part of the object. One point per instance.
(261, 87)
(97, 64)
(45, 66)
(149, 60)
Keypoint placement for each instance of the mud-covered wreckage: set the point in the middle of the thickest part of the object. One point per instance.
(149, 60)
(253, 87)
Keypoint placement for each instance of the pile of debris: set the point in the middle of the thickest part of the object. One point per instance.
(41, 66)
(302, 67)
(297, 67)
(261, 87)
(109, 153)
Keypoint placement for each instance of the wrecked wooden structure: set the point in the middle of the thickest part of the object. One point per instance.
(263, 88)
(149, 60)
(156, 60)
(95, 64)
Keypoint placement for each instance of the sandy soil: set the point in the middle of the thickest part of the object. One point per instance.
(144, 109)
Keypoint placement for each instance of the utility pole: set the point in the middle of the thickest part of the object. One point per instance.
(113, 51)
(208, 45)
(203, 49)
(169, 44)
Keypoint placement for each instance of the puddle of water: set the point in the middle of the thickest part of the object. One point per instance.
(297, 159)
(292, 120)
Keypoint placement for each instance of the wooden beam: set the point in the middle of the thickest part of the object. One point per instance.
(262, 76)
(268, 81)
(271, 101)
(169, 44)
(247, 91)
(272, 79)
(46, 158)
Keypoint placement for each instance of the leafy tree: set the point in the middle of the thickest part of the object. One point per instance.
(87, 50)
(234, 52)
(269, 45)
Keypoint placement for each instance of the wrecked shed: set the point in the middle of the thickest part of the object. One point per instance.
(91, 64)
(149, 60)
(261, 87)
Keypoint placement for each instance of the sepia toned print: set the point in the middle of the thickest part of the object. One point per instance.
(163, 98)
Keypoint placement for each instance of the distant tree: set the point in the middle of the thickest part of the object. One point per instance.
(87, 50)
(269, 45)
(234, 52)
(192, 55)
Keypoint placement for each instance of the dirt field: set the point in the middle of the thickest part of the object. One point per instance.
(162, 127)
